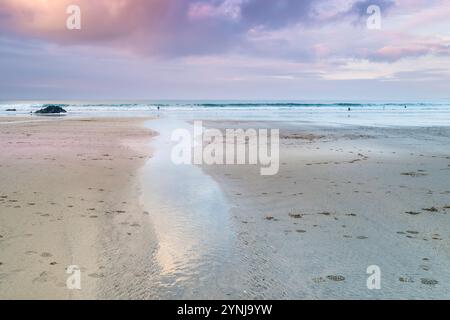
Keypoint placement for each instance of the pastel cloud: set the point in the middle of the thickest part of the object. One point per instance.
(170, 28)
(101, 19)
(393, 53)
(167, 27)
(259, 42)
(229, 9)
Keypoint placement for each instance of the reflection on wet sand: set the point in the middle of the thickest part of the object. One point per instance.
(191, 219)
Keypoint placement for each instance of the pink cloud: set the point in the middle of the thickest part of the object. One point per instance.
(101, 19)
(169, 27)
(322, 50)
(201, 11)
(396, 53)
(190, 27)
(229, 9)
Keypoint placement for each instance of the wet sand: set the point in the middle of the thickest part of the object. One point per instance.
(69, 195)
(87, 192)
(346, 198)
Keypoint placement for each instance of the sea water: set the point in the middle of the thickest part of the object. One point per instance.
(386, 113)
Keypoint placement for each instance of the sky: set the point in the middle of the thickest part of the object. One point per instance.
(225, 49)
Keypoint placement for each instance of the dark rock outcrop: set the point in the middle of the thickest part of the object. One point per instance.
(11, 110)
(51, 109)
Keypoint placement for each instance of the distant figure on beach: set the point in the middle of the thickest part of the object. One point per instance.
(349, 109)
(159, 108)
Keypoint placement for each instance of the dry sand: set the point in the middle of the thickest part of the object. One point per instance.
(69, 196)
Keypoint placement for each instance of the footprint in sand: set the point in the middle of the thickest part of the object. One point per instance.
(43, 277)
(429, 282)
(46, 255)
(361, 237)
(406, 279)
(420, 173)
(318, 280)
(432, 209)
(413, 213)
(336, 278)
(96, 275)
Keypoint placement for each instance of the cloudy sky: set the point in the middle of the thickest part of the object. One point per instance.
(225, 49)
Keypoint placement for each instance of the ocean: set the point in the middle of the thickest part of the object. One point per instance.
(386, 113)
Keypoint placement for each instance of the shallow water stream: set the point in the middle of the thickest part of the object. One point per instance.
(196, 253)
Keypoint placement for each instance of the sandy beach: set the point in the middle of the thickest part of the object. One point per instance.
(69, 196)
(101, 193)
(346, 198)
